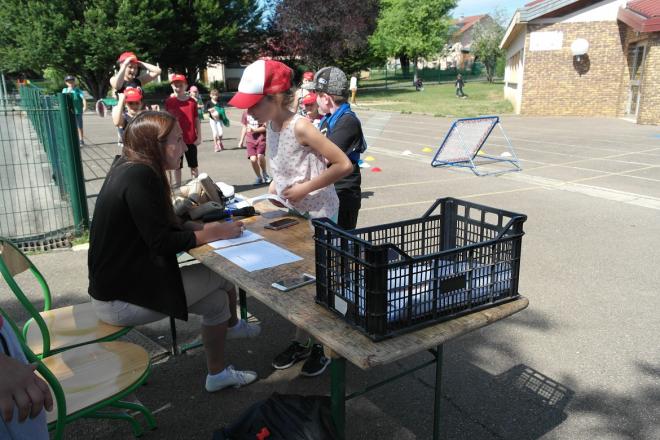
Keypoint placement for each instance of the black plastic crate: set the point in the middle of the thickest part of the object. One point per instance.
(459, 257)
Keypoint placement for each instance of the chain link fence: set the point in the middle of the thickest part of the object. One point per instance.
(42, 193)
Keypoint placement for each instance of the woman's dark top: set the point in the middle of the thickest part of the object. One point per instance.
(135, 83)
(133, 243)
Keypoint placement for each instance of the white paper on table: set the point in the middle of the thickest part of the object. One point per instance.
(245, 238)
(273, 197)
(258, 255)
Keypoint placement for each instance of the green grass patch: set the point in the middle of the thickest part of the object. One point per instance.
(439, 100)
(81, 239)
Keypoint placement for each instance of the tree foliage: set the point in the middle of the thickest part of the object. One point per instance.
(210, 31)
(412, 29)
(486, 45)
(80, 38)
(85, 38)
(321, 33)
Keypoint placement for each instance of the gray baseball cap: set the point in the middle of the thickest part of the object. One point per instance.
(331, 80)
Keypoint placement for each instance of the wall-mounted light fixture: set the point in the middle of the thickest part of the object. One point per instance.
(579, 48)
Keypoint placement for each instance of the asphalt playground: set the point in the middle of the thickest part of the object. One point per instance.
(582, 362)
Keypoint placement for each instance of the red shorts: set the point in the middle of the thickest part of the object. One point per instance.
(256, 149)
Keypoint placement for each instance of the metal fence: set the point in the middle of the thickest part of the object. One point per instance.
(393, 77)
(42, 192)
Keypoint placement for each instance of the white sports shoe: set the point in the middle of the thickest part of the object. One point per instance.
(229, 377)
(243, 329)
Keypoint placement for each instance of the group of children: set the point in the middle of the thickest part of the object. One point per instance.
(309, 138)
(184, 103)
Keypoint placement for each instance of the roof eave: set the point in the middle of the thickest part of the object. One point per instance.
(540, 9)
(639, 22)
(515, 25)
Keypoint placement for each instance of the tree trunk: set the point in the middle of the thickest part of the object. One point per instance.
(96, 84)
(405, 64)
(191, 74)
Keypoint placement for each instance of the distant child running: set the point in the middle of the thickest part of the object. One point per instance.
(297, 153)
(217, 118)
(459, 86)
(184, 109)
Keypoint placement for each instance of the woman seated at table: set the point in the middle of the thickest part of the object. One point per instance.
(135, 236)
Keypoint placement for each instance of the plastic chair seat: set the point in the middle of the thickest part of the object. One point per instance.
(70, 326)
(94, 373)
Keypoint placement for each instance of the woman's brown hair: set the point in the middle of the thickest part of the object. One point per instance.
(144, 142)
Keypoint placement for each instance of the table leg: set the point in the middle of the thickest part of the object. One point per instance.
(338, 394)
(242, 301)
(175, 345)
(438, 393)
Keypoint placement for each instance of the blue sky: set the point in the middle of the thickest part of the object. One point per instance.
(478, 7)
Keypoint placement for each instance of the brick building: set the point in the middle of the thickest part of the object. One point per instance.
(617, 76)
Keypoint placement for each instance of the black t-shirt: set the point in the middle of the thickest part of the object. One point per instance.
(135, 83)
(347, 135)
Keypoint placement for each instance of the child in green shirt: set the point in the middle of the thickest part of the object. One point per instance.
(217, 118)
(79, 103)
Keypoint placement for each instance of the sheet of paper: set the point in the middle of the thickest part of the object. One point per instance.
(273, 197)
(258, 255)
(245, 238)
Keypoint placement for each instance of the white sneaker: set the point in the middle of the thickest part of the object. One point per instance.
(229, 377)
(243, 329)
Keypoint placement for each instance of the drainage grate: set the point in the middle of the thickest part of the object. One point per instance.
(45, 244)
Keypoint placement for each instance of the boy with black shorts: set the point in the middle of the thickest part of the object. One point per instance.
(343, 128)
(184, 109)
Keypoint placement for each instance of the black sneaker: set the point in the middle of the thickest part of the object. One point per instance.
(296, 352)
(317, 362)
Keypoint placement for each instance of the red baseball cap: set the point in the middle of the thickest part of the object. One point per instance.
(178, 77)
(132, 94)
(125, 55)
(309, 99)
(261, 78)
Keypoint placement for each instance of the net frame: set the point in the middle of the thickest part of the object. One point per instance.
(464, 142)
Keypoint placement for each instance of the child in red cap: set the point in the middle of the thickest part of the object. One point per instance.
(129, 104)
(131, 73)
(184, 109)
(304, 165)
(302, 92)
(311, 109)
